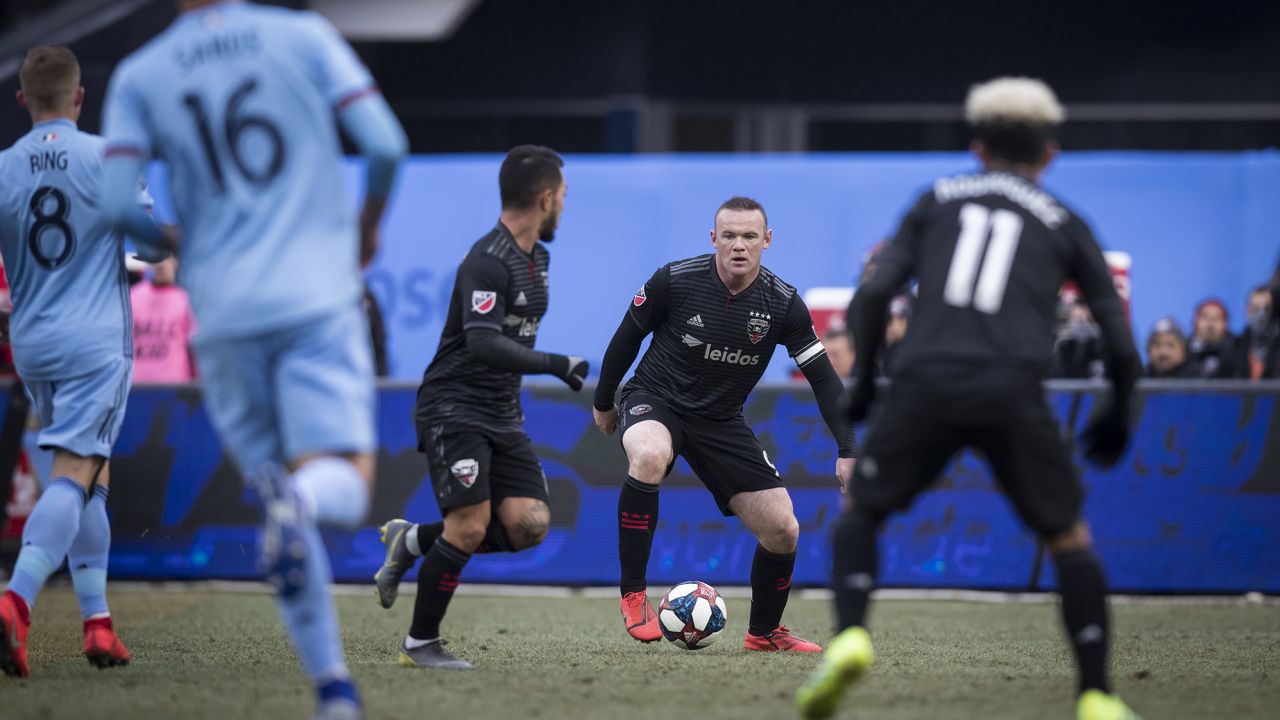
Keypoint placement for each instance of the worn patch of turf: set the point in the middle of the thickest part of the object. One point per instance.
(224, 656)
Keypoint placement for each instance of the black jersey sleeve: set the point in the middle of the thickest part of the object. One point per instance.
(895, 264)
(804, 347)
(649, 305)
(482, 290)
(1089, 270)
(498, 351)
(648, 310)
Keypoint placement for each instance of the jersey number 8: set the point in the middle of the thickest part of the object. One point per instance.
(235, 126)
(47, 222)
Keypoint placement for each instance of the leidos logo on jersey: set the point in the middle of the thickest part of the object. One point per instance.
(737, 357)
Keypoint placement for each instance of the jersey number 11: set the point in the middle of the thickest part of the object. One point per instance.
(977, 222)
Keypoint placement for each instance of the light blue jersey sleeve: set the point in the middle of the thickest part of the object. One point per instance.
(361, 109)
(128, 148)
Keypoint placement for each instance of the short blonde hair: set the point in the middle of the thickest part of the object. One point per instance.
(1020, 100)
(50, 77)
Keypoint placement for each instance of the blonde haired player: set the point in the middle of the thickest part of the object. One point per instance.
(990, 251)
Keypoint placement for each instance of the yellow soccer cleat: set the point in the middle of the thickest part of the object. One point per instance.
(1097, 705)
(848, 658)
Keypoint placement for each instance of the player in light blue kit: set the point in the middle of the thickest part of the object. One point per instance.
(72, 344)
(240, 101)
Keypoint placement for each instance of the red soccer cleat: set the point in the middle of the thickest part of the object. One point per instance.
(780, 640)
(641, 620)
(101, 644)
(15, 623)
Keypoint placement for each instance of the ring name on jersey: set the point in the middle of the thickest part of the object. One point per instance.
(42, 161)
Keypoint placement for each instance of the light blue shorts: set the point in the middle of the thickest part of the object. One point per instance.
(83, 414)
(303, 389)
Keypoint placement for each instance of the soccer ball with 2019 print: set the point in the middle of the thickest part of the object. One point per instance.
(692, 615)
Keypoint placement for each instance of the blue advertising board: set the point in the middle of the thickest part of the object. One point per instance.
(1193, 507)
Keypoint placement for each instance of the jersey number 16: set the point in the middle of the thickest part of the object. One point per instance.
(236, 127)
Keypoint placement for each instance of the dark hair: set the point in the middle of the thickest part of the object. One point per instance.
(1259, 289)
(49, 77)
(739, 202)
(1013, 141)
(527, 171)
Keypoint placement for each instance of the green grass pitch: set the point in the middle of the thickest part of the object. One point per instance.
(224, 656)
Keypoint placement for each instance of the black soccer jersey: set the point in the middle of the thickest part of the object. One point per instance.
(501, 287)
(990, 252)
(711, 347)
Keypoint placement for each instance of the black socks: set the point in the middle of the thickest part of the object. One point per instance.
(437, 579)
(637, 519)
(770, 588)
(854, 567)
(1083, 589)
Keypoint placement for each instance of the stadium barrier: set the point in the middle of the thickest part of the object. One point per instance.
(1193, 507)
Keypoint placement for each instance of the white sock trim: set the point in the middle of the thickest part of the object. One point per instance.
(411, 541)
(414, 643)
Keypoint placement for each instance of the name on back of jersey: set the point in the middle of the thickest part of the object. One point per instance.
(47, 160)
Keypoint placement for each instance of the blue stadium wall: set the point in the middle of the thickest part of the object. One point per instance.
(1194, 507)
(1196, 225)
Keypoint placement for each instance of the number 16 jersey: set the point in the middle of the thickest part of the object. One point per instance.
(65, 264)
(240, 102)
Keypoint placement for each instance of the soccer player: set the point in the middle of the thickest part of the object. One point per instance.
(241, 101)
(716, 320)
(488, 481)
(72, 346)
(990, 252)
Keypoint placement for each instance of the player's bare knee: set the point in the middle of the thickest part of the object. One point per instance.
(531, 527)
(465, 528)
(784, 538)
(648, 464)
(1075, 539)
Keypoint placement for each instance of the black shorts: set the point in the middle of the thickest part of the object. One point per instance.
(471, 465)
(921, 427)
(724, 454)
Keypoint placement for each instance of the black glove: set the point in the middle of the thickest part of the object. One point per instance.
(1106, 436)
(571, 369)
(858, 400)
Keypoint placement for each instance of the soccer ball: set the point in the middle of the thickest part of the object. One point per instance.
(692, 615)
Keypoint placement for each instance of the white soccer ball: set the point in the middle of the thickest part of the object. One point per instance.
(692, 615)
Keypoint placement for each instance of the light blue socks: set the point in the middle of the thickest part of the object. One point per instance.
(48, 535)
(87, 557)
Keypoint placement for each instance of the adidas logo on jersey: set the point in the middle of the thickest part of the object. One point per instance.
(695, 321)
(521, 299)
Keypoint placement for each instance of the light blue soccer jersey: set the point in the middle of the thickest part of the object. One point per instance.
(240, 101)
(65, 263)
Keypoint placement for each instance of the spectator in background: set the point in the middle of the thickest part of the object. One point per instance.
(163, 326)
(1213, 351)
(1260, 343)
(839, 348)
(377, 333)
(1167, 352)
(896, 329)
(1077, 352)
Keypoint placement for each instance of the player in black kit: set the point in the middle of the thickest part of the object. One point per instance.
(487, 479)
(990, 252)
(716, 320)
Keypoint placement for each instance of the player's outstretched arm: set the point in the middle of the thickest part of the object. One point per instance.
(810, 356)
(377, 135)
(120, 206)
(647, 311)
(1107, 435)
(498, 351)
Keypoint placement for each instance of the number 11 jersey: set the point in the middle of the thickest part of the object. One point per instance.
(240, 102)
(991, 252)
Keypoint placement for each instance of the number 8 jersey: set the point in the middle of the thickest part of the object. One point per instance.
(239, 101)
(65, 266)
